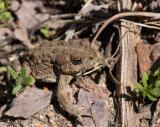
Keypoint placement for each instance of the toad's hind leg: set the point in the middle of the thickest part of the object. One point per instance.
(64, 99)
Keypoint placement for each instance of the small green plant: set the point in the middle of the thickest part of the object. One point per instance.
(150, 86)
(20, 79)
(3, 68)
(4, 13)
(85, 1)
(45, 30)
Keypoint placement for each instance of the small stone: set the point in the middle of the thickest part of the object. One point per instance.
(24, 123)
(41, 117)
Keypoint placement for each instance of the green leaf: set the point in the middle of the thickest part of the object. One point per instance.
(26, 80)
(144, 94)
(5, 15)
(24, 72)
(139, 86)
(7, 4)
(45, 33)
(152, 98)
(157, 72)
(151, 78)
(85, 1)
(155, 92)
(12, 72)
(136, 90)
(151, 86)
(16, 89)
(32, 81)
(144, 80)
(28, 87)
(3, 68)
(157, 83)
(2, 6)
(47, 27)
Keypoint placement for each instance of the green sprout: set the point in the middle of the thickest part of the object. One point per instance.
(45, 31)
(3, 68)
(5, 15)
(20, 79)
(85, 1)
(150, 86)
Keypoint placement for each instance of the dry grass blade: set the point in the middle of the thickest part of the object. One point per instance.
(147, 25)
(120, 15)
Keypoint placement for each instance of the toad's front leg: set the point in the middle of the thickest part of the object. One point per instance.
(64, 99)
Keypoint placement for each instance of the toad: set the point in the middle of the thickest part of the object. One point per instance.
(60, 61)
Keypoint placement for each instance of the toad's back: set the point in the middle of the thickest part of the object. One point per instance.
(53, 57)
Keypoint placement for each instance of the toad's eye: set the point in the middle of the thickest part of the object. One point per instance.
(76, 61)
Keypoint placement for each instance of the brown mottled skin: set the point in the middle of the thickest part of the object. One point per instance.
(60, 61)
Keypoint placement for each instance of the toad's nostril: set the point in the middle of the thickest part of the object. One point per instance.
(91, 57)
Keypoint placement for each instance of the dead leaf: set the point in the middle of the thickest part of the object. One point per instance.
(21, 34)
(155, 53)
(143, 53)
(148, 56)
(96, 107)
(89, 6)
(150, 111)
(29, 102)
(154, 5)
(155, 56)
(98, 91)
(28, 14)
